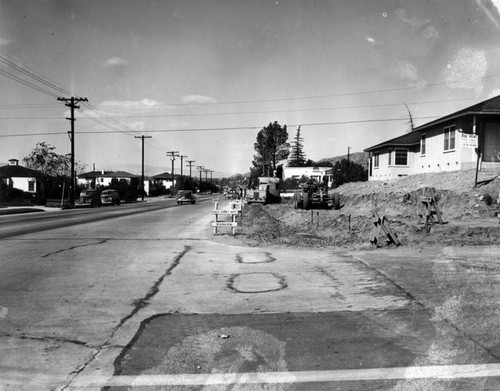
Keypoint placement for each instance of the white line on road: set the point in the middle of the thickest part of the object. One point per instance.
(449, 372)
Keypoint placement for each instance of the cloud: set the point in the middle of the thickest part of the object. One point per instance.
(4, 41)
(197, 99)
(412, 21)
(467, 70)
(371, 40)
(146, 102)
(407, 70)
(116, 62)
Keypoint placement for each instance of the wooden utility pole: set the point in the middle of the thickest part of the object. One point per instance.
(182, 157)
(142, 176)
(190, 165)
(201, 168)
(172, 154)
(71, 103)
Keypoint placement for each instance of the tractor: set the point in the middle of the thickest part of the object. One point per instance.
(314, 195)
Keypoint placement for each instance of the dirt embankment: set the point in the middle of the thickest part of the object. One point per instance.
(469, 218)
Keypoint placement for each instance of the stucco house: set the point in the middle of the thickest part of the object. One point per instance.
(104, 178)
(466, 139)
(165, 179)
(20, 177)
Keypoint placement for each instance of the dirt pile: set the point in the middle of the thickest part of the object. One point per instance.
(469, 213)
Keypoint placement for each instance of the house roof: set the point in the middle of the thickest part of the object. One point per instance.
(108, 174)
(165, 175)
(17, 171)
(405, 140)
(489, 106)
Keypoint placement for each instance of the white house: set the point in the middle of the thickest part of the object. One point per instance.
(20, 177)
(466, 139)
(165, 179)
(104, 178)
(317, 173)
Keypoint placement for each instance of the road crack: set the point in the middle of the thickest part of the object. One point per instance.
(74, 247)
(138, 305)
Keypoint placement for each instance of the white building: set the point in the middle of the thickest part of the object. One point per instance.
(317, 173)
(463, 140)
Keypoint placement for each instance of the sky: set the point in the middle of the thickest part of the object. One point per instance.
(203, 77)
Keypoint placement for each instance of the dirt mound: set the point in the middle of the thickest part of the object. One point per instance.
(470, 214)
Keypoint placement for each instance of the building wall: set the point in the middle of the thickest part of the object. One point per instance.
(24, 184)
(435, 158)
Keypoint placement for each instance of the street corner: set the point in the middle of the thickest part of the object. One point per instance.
(188, 349)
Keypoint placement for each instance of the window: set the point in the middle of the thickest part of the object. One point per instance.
(401, 158)
(390, 157)
(31, 185)
(422, 144)
(449, 138)
(375, 160)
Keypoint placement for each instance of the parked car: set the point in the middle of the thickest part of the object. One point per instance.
(88, 198)
(110, 197)
(185, 196)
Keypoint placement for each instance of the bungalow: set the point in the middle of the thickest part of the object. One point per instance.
(165, 179)
(463, 140)
(20, 177)
(104, 178)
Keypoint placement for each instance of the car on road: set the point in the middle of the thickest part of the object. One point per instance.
(110, 197)
(88, 198)
(185, 196)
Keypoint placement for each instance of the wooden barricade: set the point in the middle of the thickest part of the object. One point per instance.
(428, 208)
(379, 228)
(235, 208)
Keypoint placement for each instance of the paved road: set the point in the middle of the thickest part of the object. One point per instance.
(150, 301)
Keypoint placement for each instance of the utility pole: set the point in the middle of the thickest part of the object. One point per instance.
(71, 103)
(190, 165)
(201, 169)
(206, 173)
(172, 154)
(142, 177)
(182, 157)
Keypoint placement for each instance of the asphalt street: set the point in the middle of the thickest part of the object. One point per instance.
(154, 301)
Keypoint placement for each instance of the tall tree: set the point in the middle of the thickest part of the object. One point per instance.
(271, 147)
(44, 159)
(297, 155)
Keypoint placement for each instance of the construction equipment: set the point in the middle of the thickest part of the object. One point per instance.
(267, 193)
(314, 195)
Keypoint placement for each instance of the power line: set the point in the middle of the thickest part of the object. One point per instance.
(228, 128)
(112, 118)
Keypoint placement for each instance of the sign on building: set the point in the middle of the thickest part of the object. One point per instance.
(469, 140)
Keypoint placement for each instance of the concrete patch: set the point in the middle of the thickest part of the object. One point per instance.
(256, 282)
(251, 257)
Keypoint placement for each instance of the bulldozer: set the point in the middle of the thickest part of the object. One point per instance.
(314, 195)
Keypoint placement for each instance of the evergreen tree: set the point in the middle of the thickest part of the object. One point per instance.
(271, 147)
(297, 155)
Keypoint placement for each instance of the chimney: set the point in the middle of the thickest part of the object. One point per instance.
(13, 162)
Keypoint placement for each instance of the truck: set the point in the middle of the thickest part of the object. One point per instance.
(267, 193)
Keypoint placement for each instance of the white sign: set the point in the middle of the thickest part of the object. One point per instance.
(225, 212)
(224, 224)
(468, 140)
(236, 205)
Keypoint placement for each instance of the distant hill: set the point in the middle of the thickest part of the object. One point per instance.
(356, 157)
